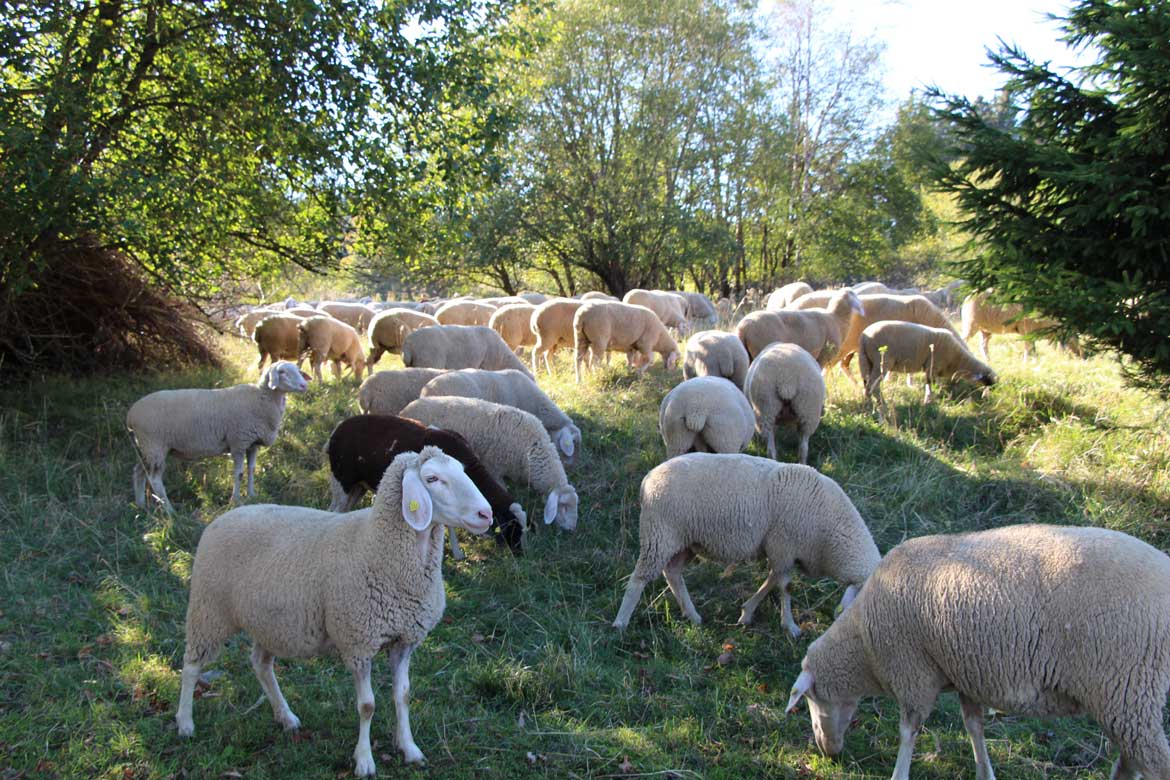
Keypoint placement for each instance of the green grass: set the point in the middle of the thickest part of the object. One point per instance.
(524, 678)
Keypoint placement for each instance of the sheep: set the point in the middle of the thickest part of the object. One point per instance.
(819, 330)
(301, 582)
(716, 353)
(355, 315)
(200, 423)
(502, 300)
(784, 385)
(534, 298)
(514, 324)
(602, 326)
(361, 448)
(277, 338)
(326, 338)
(246, 323)
(552, 324)
(705, 414)
(388, 392)
(698, 307)
(782, 296)
(944, 297)
(511, 388)
(596, 295)
(390, 326)
(510, 443)
(464, 313)
(980, 315)
(875, 308)
(1030, 619)
(871, 288)
(906, 348)
(735, 508)
(304, 312)
(670, 308)
(725, 309)
(459, 346)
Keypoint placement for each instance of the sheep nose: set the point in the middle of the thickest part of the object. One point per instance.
(485, 515)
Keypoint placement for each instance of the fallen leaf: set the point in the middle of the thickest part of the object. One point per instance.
(724, 659)
(728, 646)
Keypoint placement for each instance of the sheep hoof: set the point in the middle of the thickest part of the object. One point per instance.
(795, 631)
(412, 755)
(289, 721)
(744, 620)
(363, 765)
(186, 728)
(619, 625)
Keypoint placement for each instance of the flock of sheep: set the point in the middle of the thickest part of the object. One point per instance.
(1037, 620)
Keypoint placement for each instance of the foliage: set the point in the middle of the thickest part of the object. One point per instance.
(1068, 206)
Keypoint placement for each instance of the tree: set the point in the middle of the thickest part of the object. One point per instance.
(1069, 206)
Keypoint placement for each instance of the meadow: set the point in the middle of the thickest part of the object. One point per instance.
(524, 677)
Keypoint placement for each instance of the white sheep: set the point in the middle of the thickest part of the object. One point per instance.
(246, 323)
(388, 392)
(459, 346)
(302, 582)
(699, 307)
(511, 388)
(534, 298)
(705, 414)
(819, 330)
(737, 508)
(782, 296)
(390, 326)
(510, 443)
(597, 295)
(605, 326)
(907, 348)
(552, 324)
(670, 307)
(1031, 619)
(355, 315)
(201, 423)
(513, 322)
(871, 288)
(784, 385)
(326, 338)
(980, 315)
(716, 353)
(464, 313)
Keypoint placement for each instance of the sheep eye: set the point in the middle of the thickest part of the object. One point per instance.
(432, 478)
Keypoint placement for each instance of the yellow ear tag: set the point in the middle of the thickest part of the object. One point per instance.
(413, 505)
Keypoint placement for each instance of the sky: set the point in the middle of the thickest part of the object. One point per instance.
(943, 42)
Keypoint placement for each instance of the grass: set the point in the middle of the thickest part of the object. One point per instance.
(524, 678)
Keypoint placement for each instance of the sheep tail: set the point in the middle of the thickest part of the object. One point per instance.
(695, 420)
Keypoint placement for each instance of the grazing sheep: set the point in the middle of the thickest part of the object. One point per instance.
(362, 447)
(390, 326)
(304, 312)
(871, 288)
(670, 308)
(199, 423)
(733, 508)
(464, 313)
(784, 385)
(980, 315)
(502, 300)
(510, 443)
(552, 323)
(944, 297)
(388, 392)
(1035, 620)
(819, 330)
(326, 338)
(595, 295)
(705, 414)
(782, 296)
(907, 308)
(534, 298)
(699, 307)
(605, 326)
(459, 346)
(355, 315)
(302, 582)
(277, 337)
(716, 353)
(514, 324)
(246, 323)
(907, 348)
(511, 388)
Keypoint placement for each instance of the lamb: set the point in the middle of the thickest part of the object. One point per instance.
(716, 353)
(705, 414)
(355, 315)
(670, 308)
(782, 296)
(277, 337)
(459, 346)
(511, 388)
(602, 326)
(388, 392)
(510, 443)
(464, 313)
(390, 326)
(514, 324)
(200, 423)
(980, 315)
(1029, 619)
(302, 582)
(326, 338)
(362, 447)
(552, 324)
(785, 385)
(735, 508)
(819, 331)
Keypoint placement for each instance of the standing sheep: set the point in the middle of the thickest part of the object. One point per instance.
(782, 296)
(277, 337)
(390, 327)
(514, 324)
(246, 323)
(875, 308)
(388, 392)
(785, 385)
(980, 315)
(325, 338)
(736, 508)
(459, 346)
(511, 388)
(596, 295)
(302, 582)
(1035, 620)
(699, 308)
(510, 443)
(605, 326)
(355, 315)
(716, 353)
(552, 324)
(534, 298)
(198, 423)
(670, 307)
(464, 313)
(705, 414)
(819, 331)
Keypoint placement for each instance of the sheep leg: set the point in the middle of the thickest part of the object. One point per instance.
(363, 756)
(973, 721)
(1142, 743)
(984, 341)
(317, 367)
(400, 659)
(262, 665)
(456, 551)
(263, 357)
(251, 454)
(802, 449)
(374, 356)
(770, 440)
(749, 607)
(183, 717)
(908, 727)
(336, 370)
(139, 485)
(929, 396)
(578, 356)
(237, 473)
(154, 473)
(678, 586)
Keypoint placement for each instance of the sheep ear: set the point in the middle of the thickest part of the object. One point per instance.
(273, 380)
(518, 513)
(416, 501)
(801, 687)
(550, 508)
(847, 599)
(565, 439)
